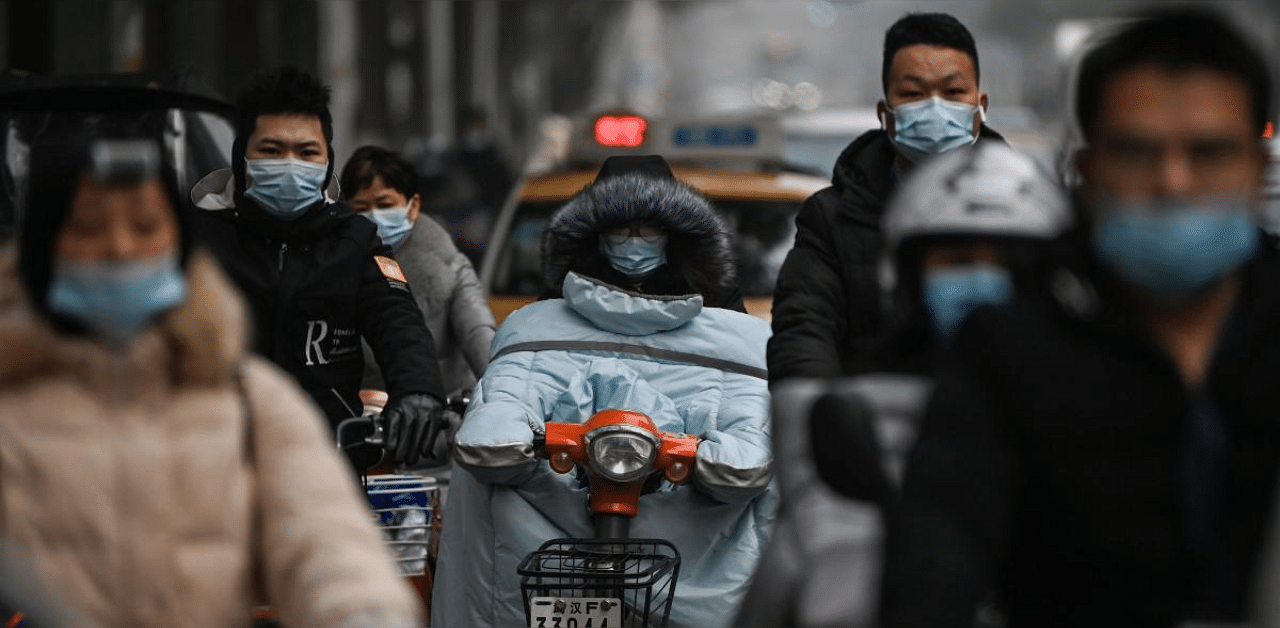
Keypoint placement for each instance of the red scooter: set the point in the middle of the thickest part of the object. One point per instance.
(611, 579)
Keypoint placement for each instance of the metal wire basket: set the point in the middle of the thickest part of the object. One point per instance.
(403, 506)
(623, 582)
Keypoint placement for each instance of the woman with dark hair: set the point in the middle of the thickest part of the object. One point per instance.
(383, 187)
(152, 469)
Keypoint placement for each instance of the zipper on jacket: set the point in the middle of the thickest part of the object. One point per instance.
(284, 248)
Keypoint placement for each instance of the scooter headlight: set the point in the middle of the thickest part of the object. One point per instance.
(622, 453)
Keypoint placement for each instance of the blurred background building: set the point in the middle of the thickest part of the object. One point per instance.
(409, 73)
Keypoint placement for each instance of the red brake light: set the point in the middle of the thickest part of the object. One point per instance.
(1270, 130)
(623, 131)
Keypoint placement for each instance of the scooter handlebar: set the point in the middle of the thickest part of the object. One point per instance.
(374, 438)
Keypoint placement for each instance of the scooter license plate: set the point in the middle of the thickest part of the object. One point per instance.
(575, 612)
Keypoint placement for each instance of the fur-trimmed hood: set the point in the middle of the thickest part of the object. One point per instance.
(699, 247)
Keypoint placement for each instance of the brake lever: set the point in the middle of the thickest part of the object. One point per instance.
(378, 437)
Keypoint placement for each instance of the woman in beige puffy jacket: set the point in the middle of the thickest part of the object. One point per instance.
(152, 471)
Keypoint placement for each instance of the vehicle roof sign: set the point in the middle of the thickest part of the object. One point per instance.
(756, 138)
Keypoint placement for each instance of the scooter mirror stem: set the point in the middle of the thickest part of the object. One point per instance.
(611, 526)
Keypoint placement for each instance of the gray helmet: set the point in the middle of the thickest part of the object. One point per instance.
(984, 190)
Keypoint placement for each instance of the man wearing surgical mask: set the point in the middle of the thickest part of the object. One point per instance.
(316, 276)
(1109, 456)
(826, 312)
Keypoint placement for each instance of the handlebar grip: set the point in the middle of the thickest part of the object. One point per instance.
(458, 401)
(540, 445)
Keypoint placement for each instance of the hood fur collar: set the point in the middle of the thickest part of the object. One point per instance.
(699, 246)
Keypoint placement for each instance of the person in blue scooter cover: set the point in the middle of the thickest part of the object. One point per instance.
(652, 346)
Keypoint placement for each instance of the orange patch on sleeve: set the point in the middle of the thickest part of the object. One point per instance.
(390, 268)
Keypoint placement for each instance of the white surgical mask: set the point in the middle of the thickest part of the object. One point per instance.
(116, 299)
(393, 224)
(1173, 250)
(636, 257)
(285, 188)
(932, 126)
(951, 292)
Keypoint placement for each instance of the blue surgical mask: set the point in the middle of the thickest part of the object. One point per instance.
(1174, 250)
(393, 224)
(636, 257)
(928, 127)
(950, 293)
(285, 188)
(116, 300)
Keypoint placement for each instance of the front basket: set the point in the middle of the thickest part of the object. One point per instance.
(640, 573)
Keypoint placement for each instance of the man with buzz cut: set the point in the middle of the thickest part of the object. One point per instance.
(827, 306)
(1108, 456)
(316, 276)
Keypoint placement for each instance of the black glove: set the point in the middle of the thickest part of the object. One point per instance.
(413, 425)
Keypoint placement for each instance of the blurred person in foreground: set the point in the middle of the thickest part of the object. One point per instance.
(383, 187)
(316, 276)
(975, 227)
(1108, 456)
(826, 309)
(654, 348)
(153, 470)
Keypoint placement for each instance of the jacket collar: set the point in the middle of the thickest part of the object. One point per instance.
(629, 313)
(216, 192)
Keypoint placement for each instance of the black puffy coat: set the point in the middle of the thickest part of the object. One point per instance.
(1050, 467)
(827, 307)
(315, 286)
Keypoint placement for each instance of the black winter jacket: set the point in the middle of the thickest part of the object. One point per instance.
(315, 286)
(827, 309)
(1050, 468)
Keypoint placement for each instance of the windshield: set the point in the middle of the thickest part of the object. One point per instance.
(762, 234)
(195, 143)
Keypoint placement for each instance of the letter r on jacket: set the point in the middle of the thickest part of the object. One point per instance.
(316, 332)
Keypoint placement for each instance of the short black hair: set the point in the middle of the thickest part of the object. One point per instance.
(934, 29)
(371, 162)
(1177, 39)
(284, 90)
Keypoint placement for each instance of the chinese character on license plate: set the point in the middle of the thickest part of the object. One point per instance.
(575, 612)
